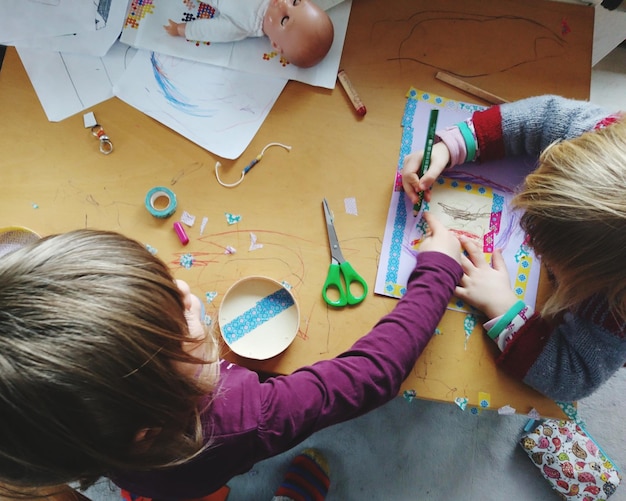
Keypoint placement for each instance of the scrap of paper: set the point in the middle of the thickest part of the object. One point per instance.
(229, 249)
(203, 224)
(534, 414)
(151, 249)
(187, 218)
(469, 322)
(232, 218)
(409, 395)
(506, 410)
(186, 261)
(253, 243)
(461, 402)
(350, 205)
(484, 399)
(210, 296)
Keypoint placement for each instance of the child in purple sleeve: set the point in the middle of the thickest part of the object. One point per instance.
(103, 356)
(574, 207)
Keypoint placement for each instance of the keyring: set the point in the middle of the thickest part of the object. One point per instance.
(106, 146)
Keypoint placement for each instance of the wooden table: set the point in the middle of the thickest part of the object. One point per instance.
(54, 179)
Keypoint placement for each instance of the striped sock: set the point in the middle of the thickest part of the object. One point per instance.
(307, 478)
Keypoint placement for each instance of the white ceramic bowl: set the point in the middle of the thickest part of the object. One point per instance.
(258, 318)
(14, 237)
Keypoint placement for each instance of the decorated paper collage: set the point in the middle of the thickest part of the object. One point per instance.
(470, 200)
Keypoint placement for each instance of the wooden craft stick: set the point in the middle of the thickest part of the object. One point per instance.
(468, 87)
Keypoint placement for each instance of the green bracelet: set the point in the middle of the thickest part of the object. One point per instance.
(470, 141)
(506, 319)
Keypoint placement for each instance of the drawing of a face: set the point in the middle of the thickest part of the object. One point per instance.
(299, 30)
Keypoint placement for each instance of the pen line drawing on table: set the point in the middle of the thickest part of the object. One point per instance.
(490, 32)
(281, 258)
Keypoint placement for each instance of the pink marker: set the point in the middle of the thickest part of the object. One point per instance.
(182, 234)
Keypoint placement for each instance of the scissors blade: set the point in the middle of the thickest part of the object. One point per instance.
(335, 250)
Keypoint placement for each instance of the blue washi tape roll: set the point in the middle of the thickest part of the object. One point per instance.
(159, 192)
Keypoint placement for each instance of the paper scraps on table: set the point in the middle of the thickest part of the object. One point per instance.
(484, 399)
(409, 395)
(469, 322)
(569, 409)
(232, 218)
(506, 410)
(253, 243)
(207, 320)
(286, 285)
(350, 205)
(534, 414)
(151, 249)
(461, 402)
(187, 218)
(210, 296)
(186, 261)
(205, 220)
(230, 250)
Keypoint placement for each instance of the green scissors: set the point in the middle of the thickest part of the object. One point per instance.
(339, 268)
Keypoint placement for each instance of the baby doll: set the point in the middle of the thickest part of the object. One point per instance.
(298, 29)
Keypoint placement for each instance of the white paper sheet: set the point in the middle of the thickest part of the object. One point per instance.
(69, 83)
(252, 54)
(218, 108)
(109, 20)
(20, 19)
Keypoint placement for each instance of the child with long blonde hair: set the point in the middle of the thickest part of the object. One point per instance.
(574, 207)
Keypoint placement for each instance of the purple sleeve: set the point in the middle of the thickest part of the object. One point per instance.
(249, 420)
(370, 373)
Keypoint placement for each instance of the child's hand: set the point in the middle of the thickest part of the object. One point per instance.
(483, 286)
(411, 182)
(439, 239)
(175, 29)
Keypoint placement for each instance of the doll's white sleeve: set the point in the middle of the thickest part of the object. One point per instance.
(217, 29)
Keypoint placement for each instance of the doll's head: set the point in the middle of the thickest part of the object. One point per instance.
(299, 30)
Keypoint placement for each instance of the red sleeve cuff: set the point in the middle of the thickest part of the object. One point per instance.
(488, 127)
(524, 349)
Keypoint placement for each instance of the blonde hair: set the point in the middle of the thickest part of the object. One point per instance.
(575, 216)
(91, 325)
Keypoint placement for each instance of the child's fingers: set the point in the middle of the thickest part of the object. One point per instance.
(474, 251)
(497, 260)
(433, 223)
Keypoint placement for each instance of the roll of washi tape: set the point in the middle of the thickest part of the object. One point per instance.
(161, 202)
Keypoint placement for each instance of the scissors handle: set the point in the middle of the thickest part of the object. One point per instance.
(345, 294)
